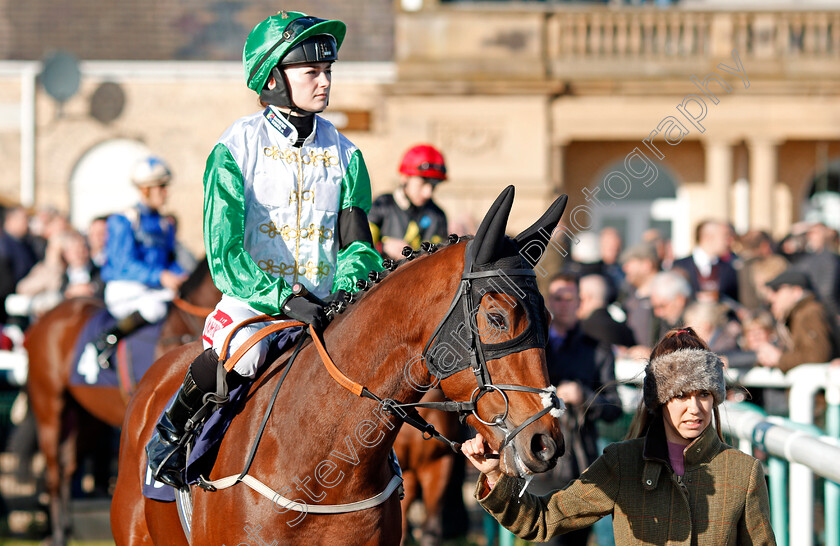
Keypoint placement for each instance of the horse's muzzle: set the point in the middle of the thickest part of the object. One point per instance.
(541, 452)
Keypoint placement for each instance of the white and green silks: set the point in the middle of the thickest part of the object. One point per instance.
(271, 211)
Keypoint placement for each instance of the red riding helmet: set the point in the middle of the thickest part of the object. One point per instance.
(424, 160)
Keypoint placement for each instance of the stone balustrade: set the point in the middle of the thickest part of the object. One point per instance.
(550, 43)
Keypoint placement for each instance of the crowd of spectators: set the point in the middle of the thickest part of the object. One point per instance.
(756, 301)
(44, 260)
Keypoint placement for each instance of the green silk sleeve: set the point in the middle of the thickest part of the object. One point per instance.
(234, 271)
(357, 259)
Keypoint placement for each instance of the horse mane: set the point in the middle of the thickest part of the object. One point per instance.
(374, 277)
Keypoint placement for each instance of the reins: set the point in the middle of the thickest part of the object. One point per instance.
(405, 412)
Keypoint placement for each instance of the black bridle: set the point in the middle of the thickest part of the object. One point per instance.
(464, 303)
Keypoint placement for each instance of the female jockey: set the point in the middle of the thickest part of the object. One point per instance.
(140, 270)
(286, 198)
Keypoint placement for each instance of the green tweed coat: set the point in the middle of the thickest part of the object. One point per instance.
(721, 499)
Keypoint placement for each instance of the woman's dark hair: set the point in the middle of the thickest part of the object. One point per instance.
(674, 340)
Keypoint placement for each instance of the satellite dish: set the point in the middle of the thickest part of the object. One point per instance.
(107, 102)
(61, 76)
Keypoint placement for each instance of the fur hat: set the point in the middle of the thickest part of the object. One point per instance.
(683, 371)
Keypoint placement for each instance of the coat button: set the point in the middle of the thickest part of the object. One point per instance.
(649, 482)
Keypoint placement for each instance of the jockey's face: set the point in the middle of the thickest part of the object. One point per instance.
(155, 196)
(309, 85)
(418, 190)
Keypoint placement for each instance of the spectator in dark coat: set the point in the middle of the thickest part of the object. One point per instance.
(82, 276)
(584, 372)
(709, 268)
(822, 265)
(13, 242)
(594, 313)
(15, 254)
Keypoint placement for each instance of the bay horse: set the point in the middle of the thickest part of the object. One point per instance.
(324, 446)
(50, 344)
(427, 468)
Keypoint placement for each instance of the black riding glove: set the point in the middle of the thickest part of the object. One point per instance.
(338, 295)
(300, 308)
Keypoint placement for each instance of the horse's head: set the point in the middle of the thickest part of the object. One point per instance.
(490, 347)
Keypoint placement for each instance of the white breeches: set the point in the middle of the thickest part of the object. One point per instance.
(125, 297)
(228, 314)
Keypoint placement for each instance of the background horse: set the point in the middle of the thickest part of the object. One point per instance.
(427, 468)
(50, 344)
(324, 445)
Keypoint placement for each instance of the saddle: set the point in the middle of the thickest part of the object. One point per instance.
(206, 441)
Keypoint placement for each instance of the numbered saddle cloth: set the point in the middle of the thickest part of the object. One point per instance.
(133, 357)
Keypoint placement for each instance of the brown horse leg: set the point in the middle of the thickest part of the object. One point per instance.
(67, 453)
(134, 518)
(433, 479)
(410, 487)
(50, 413)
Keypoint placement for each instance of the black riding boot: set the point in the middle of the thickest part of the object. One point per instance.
(107, 341)
(166, 450)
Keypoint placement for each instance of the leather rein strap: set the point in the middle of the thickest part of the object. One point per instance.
(407, 413)
(255, 338)
(190, 308)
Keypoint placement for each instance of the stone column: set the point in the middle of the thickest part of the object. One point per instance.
(556, 168)
(718, 179)
(763, 177)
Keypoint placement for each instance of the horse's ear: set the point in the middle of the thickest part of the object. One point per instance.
(490, 236)
(542, 228)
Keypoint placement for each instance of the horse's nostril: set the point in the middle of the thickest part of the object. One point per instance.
(543, 447)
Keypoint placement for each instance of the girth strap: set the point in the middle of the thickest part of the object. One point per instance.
(289, 504)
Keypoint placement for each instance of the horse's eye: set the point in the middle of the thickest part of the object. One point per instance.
(497, 321)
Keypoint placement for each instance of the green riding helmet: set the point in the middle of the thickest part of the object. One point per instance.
(290, 37)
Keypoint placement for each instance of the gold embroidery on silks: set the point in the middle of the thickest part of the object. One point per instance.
(323, 233)
(314, 272)
(273, 152)
(313, 158)
(277, 270)
(309, 270)
(269, 229)
(288, 154)
(306, 195)
(288, 233)
(325, 158)
(309, 233)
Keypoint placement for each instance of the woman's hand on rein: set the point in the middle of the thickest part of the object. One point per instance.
(474, 450)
